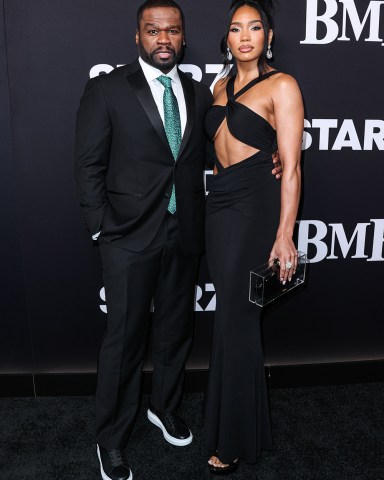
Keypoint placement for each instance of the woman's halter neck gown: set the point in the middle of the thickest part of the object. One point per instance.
(243, 208)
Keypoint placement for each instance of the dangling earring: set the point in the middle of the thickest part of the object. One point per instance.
(269, 53)
(229, 54)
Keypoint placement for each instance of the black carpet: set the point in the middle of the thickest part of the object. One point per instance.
(327, 433)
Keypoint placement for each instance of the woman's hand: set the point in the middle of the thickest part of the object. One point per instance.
(284, 249)
(277, 167)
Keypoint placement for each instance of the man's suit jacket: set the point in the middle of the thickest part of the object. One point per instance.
(124, 165)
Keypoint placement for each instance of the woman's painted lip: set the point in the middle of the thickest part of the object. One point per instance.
(245, 48)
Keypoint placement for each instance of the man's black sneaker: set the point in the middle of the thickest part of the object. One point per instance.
(174, 429)
(112, 465)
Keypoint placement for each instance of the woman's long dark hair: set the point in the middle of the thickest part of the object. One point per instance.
(266, 12)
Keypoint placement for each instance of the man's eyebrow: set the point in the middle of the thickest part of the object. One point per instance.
(156, 25)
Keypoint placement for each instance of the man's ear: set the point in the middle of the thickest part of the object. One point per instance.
(137, 36)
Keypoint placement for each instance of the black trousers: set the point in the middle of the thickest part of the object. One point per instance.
(163, 273)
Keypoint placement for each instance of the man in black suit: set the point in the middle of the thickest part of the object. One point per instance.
(129, 172)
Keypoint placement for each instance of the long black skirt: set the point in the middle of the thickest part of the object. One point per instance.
(243, 208)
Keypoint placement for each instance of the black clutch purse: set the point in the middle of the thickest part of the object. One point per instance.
(265, 285)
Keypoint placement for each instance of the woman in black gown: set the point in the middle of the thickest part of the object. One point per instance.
(250, 220)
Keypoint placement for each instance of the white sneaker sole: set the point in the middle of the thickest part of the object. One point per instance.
(172, 440)
(103, 474)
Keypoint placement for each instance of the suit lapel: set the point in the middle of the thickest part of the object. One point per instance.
(141, 88)
(189, 96)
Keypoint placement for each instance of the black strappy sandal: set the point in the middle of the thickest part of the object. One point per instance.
(231, 467)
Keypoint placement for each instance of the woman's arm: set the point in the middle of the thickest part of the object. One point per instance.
(289, 119)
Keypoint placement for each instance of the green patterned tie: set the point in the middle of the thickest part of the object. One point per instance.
(172, 127)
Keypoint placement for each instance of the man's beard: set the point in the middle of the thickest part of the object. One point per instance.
(152, 59)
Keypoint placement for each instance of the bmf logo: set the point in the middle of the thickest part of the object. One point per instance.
(329, 242)
(353, 21)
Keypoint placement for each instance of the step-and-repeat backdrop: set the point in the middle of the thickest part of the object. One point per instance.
(53, 308)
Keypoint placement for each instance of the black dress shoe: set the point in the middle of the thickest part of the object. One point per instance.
(231, 467)
(174, 429)
(112, 465)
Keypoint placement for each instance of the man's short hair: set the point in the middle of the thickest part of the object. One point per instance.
(158, 4)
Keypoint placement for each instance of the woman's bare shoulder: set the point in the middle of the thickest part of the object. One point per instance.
(286, 92)
(283, 82)
(220, 87)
